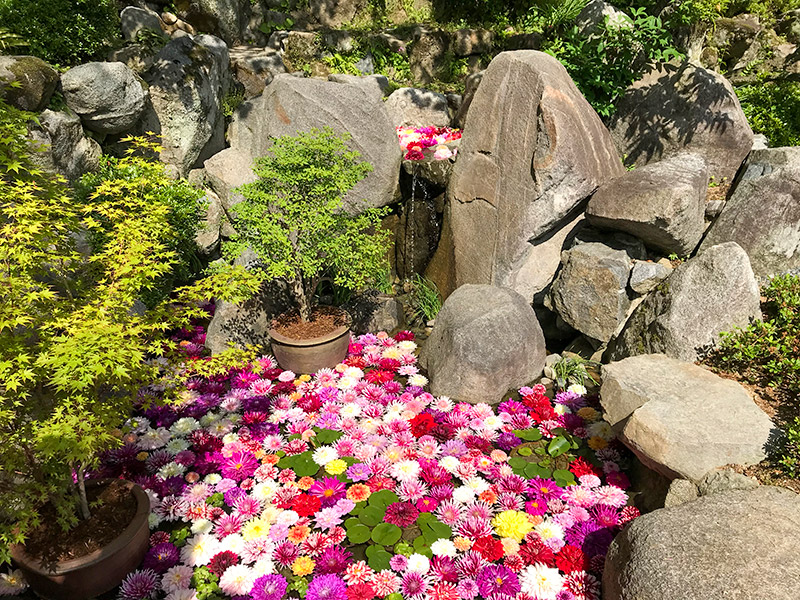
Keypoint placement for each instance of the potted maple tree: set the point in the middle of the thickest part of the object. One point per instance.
(294, 219)
(74, 351)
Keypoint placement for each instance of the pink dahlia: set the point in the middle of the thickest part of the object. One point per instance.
(139, 585)
(239, 466)
(497, 579)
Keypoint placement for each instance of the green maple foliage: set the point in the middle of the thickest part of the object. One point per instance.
(74, 350)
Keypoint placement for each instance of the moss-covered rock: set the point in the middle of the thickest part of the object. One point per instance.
(27, 82)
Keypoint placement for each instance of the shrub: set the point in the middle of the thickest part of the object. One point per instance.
(773, 108)
(294, 219)
(768, 352)
(426, 300)
(64, 32)
(183, 204)
(604, 65)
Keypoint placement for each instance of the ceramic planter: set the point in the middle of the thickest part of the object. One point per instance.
(311, 355)
(96, 573)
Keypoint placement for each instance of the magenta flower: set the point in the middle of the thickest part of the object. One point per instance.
(333, 560)
(401, 514)
(497, 579)
(239, 466)
(326, 587)
(329, 490)
(269, 587)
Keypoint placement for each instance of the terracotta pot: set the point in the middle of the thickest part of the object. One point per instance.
(311, 355)
(96, 573)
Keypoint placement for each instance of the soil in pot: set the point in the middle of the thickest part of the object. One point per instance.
(113, 510)
(323, 320)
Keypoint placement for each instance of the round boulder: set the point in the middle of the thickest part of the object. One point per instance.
(108, 96)
(739, 545)
(486, 340)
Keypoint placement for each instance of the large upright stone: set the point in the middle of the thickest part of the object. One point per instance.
(680, 419)
(532, 150)
(292, 104)
(417, 108)
(590, 291)
(27, 82)
(187, 84)
(335, 13)
(686, 107)
(107, 96)
(486, 340)
(227, 19)
(134, 20)
(713, 292)
(763, 214)
(255, 68)
(661, 203)
(65, 148)
(739, 545)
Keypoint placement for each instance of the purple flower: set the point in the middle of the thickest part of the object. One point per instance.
(497, 579)
(269, 587)
(507, 441)
(358, 472)
(139, 585)
(326, 587)
(239, 466)
(161, 557)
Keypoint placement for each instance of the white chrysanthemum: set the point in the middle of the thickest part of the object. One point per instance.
(177, 578)
(393, 353)
(418, 563)
(443, 547)
(353, 373)
(233, 542)
(540, 581)
(153, 520)
(418, 380)
(346, 383)
(478, 484)
(209, 419)
(199, 549)
(463, 494)
(265, 566)
(201, 526)
(406, 470)
(184, 426)
(577, 388)
(561, 409)
(237, 580)
(492, 423)
(176, 445)
(187, 594)
(171, 469)
(548, 529)
(154, 438)
(12, 583)
(350, 411)
(324, 454)
(230, 438)
(601, 429)
(265, 490)
(449, 463)
(221, 427)
(287, 517)
(443, 404)
(394, 413)
(407, 346)
(137, 424)
(370, 425)
(212, 478)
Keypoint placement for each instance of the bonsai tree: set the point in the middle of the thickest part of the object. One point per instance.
(294, 220)
(73, 350)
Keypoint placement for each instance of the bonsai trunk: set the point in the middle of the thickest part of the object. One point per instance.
(301, 298)
(82, 500)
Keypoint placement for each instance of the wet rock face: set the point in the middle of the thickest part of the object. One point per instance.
(513, 183)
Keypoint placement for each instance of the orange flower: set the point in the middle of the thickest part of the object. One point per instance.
(535, 519)
(298, 533)
(303, 566)
(271, 459)
(488, 496)
(462, 544)
(304, 483)
(358, 492)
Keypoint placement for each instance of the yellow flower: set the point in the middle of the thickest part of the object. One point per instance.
(256, 528)
(142, 456)
(597, 443)
(512, 524)
(303, 566)
(336, 467)
(304, 378)
(587, 413)
(295, 396)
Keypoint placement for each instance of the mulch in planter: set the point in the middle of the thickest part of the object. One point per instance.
(324, 320)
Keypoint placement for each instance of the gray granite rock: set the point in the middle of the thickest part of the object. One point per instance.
(27, 82)
(645, 276)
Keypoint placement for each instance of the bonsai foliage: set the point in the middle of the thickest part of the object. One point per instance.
(294, 220)
(73, 347)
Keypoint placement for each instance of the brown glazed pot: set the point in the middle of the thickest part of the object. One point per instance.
(311, 355)
(96, 573)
